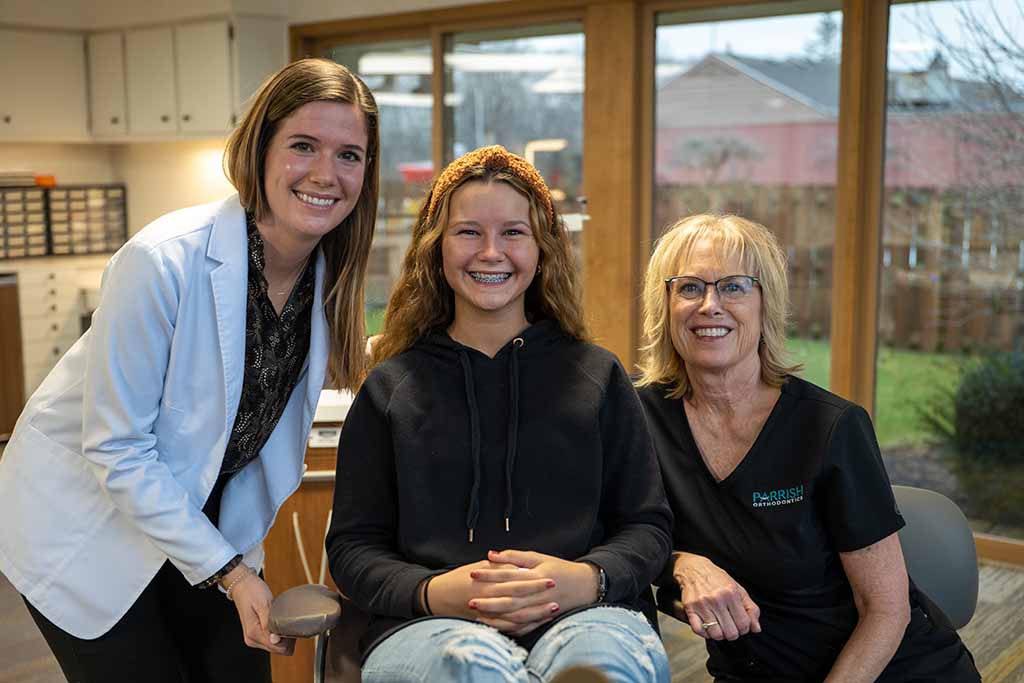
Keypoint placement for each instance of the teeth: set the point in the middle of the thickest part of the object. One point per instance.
(490, 278)
(711, 332)
(313, 200)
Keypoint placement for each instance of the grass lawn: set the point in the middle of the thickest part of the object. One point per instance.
(907, 380)
(374, 320)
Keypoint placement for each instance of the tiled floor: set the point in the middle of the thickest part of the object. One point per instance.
(995, 636)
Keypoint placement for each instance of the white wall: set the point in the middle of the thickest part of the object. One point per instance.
(305, 11)
(71, 164)
(165, 176)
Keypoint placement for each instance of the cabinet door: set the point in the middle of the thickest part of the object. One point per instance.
(204, 77)
(43, 84)
(106, 83)
(149, 72)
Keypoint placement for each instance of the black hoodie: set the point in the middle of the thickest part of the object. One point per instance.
(447, 453)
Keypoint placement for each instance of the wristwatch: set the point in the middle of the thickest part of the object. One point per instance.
(602, 584)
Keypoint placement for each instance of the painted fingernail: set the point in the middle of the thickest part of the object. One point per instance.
(549, 583)
(554, 608)
(472, 605)
(474, 575)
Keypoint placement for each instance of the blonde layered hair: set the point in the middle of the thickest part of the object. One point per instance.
(422, 300)
(346, 249)
(759, 254)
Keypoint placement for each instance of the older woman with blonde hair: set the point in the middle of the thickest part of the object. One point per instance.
(148, 466)
(498, 510)
(785, 545)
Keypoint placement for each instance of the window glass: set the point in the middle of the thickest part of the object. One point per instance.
(399, 75)
(746, 117)
(950, 388)
(522, 88)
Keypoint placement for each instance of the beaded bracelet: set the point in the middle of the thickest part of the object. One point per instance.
(238, 579)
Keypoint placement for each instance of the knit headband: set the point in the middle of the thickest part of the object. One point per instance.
(493, 158)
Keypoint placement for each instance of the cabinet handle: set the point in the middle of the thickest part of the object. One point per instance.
(54, 327)
(56, 350)
(7, 118)
(53, 292)
(114, 120)
(53, 308)
(186, 117)
(165, 118)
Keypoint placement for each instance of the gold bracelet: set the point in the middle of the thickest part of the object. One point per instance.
(248, 570)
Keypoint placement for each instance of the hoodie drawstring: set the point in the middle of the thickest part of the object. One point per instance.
(473, 513)
(513, 425)
(474, 429)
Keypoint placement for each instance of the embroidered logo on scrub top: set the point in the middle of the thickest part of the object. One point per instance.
(764, 499)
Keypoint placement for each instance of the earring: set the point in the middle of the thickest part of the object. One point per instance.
(538, 268)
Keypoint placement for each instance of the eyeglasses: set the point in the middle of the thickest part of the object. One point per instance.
(730, 287)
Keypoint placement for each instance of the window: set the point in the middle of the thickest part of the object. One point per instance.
(952, 297)
(399, 75)
(746, 122)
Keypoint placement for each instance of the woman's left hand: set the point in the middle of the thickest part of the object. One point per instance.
(252, 598)
(576, 583)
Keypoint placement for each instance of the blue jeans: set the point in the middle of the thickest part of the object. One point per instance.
(617, 641)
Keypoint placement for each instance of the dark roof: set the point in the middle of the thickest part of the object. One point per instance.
(816, 84)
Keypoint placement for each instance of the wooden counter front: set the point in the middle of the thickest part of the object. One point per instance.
(283, 568)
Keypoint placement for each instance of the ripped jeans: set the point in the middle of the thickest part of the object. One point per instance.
(617, 641)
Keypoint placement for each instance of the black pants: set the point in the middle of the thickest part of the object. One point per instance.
(174, 633)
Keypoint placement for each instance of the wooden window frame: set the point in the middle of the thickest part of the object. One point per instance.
(618, 160)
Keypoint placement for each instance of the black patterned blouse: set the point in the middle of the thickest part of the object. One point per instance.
(275, 351)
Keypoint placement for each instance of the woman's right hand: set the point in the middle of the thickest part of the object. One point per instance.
(710, 596)
(524, 596)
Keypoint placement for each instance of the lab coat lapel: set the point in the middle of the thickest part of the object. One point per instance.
(228, 283)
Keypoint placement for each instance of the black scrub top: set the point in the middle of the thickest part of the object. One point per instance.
(812, 485)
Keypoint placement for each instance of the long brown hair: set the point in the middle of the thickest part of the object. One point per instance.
(346, 249)
(422, 300)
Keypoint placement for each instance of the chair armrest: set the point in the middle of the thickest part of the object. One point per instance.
(305, 611)
(670, 602)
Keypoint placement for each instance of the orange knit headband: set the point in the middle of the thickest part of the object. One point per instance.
(493, 158)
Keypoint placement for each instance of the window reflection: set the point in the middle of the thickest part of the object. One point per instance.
(523, 89)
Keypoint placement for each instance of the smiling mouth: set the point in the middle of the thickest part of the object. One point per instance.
(314, 201)
(712, 331)
(490, 278)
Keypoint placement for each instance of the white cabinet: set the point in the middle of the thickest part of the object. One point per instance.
(149, 80)
(203, 61)
(43, 86)
(191, 78)
(106, 83)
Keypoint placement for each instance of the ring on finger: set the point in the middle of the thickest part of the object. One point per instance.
(708, 624)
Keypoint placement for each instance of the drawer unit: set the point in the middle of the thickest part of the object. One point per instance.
(22, 222)
(80, 219)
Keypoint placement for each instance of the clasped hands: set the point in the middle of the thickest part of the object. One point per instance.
(515, 591)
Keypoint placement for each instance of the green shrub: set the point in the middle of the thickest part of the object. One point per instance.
(981, 426)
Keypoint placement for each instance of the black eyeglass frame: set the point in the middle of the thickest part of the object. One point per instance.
(704, 292)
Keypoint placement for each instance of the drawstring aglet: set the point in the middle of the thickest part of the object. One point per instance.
(471, 535)
(506, 525)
